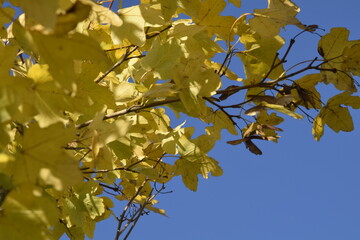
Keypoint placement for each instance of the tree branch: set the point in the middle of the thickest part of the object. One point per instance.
(122, 217)
(117, 64)
(129, 110)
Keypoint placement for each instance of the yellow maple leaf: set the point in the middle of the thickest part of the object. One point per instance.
(189, 169)
(331, 46)
(42, 158)
(336, 116)
(132, 27)
(28, 209)
(351, 56)
(209, 16)
(40, 14)
(64, 51)
(168, 9)
(279, 13)
(162, 58)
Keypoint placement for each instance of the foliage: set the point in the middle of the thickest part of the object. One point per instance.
(86, 92)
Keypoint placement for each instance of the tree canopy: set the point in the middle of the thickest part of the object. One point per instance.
(88, 90)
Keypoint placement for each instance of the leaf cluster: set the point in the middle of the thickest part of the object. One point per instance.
(87, 87)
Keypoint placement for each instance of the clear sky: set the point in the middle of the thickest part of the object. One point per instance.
(299, 189)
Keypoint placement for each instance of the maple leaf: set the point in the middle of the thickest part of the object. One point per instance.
(279, 13)
(41, 157)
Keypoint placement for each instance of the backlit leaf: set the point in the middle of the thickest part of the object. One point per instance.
(282, 109)
(278, 14)
(168, 9)
(42, 158)
(27, 213)
(59, 51)
(132, 27)
(189, 170)
(40, 14)
(318, 127)
(162, 58)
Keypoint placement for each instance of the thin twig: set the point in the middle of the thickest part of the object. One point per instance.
(158, 32)
(117, 64)
(223, 110)
(122, 217)
(141, 209)
(134, 108)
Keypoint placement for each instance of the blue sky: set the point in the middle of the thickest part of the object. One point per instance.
(299, 189)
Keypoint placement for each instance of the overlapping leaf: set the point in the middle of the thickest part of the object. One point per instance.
(267, 22)
(336, 116)
(332, 47)
(41, 158)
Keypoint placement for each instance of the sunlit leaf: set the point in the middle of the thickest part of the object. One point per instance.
(162, 58)
(351, 56)
(40, 14)
(189, 170)
(332, 46)
(28, 209)
(278, 14)
(318, 128)
(132, 27)
(42, 158)
(85, 93)
(282, 109)
(336, 116)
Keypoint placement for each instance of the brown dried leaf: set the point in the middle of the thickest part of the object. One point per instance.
(252, 147)
(238, 141)
(228, 92)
